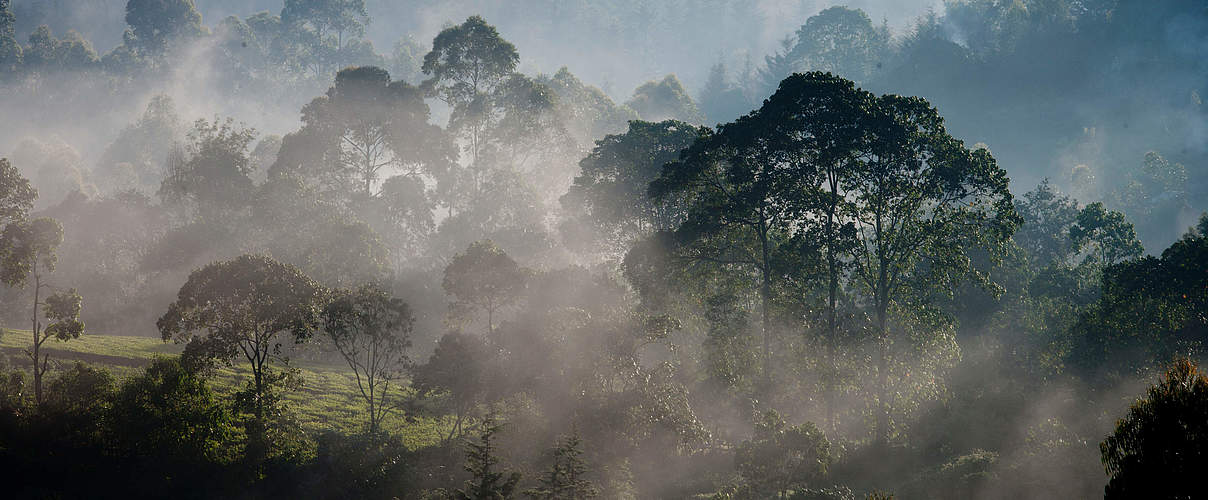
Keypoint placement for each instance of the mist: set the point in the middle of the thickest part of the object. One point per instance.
(630, 249)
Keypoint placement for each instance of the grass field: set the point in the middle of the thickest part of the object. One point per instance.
(328, 398)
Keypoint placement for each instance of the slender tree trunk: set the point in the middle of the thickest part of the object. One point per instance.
(765, 294)
(882, 303)
(37, 329)
(832, 330)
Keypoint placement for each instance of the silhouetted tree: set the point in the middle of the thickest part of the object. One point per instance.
(482, 460)
(1158, 448)
(564, 480)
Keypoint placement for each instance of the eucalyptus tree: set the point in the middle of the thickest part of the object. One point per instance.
(814, 123)
(730, 179)
(467, 63)
(372, 332)
(921, 203)
(370, 126)
(29, 257)
(242, 307)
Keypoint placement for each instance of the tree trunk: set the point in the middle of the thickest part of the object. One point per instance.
(765, 295)
(883, 367)
(37, 330)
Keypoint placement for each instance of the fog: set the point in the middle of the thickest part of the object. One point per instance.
(622, 221)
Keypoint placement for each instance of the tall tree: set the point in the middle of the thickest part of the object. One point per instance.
(814, 125)
(242, 307)
(922, 203)
(369, 127)
(467, 63)
(611, 189)
(372, 331)
(840, 40)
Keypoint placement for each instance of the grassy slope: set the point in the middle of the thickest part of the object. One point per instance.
(328, 398)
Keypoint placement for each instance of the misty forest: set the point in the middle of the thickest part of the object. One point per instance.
(614, 249)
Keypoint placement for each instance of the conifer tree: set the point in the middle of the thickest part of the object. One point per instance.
(565, 478)
(481, 459)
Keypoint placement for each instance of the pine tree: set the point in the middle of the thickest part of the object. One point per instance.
(486, 483)
(565, 478)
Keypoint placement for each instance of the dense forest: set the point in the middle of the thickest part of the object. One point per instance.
(617, 249)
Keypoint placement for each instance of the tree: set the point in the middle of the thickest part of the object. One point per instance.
(32, 254)
(922, 203)
(1047, 218)
(565, 480)
(455, 375)
(325, 17)
(242, 307)
(372, 332)
(211, 175)
(732, 179)
(1105, 235)
(842, 41)
(587, 112)
(481, 460)
(814, 129)
(665, 99)
(721, 100)
(371, 125)
(1157, 449)
(485, 279)
(154, 24)
(16, 195)
(467, 62)
(611, 190)
(1149, 309)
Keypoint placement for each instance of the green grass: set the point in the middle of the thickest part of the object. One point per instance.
(328, 398)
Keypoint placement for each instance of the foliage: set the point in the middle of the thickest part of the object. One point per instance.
(1106, 236)
(481, 460)
(663, 100)
(781, 457)
(483, 279)
(170, 414)
(565, 478)
(242, 306)
(1158, 445)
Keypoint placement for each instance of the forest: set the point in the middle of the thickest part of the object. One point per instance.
(614, 249)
